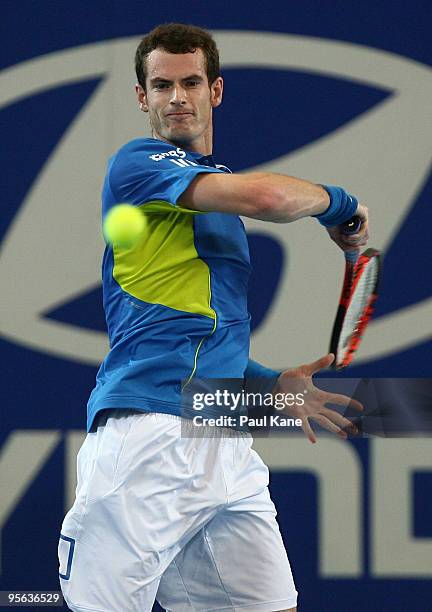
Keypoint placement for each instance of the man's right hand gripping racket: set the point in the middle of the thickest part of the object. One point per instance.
(356, 303)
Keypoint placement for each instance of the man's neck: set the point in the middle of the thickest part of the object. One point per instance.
(204, 146)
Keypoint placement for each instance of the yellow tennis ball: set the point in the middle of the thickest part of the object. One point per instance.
(123, 225)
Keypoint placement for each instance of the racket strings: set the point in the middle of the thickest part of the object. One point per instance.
(359, 309)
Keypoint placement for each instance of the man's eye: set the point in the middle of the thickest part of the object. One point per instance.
(192, 83)
(161, 85)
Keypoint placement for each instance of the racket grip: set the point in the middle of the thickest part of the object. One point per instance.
(351, 226)
(351, 256)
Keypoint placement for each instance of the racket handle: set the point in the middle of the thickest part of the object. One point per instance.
(351, 226)
(351, 256)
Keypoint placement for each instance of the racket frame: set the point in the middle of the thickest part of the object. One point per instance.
(353, 273)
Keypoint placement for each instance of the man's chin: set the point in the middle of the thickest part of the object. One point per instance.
(181, 138)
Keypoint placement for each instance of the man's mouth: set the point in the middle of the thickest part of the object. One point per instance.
(181, 114)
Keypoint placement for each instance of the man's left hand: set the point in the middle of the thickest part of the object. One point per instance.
(299, 381)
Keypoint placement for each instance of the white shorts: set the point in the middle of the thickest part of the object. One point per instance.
(184, 520)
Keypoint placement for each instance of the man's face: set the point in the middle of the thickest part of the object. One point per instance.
(178, 97)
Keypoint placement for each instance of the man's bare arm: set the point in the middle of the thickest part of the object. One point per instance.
(259, 195)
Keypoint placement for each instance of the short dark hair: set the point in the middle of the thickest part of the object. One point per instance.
(178, 38)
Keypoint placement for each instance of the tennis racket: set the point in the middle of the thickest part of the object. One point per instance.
(356, 303)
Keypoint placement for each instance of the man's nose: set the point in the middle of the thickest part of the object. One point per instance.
(178, 95)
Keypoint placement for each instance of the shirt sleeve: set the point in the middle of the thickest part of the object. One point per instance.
(151, 173)
(259, 377)
(256, 370)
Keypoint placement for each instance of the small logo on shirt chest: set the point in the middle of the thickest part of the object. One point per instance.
(173, 153)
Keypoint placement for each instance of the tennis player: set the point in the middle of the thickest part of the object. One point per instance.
(185, 520)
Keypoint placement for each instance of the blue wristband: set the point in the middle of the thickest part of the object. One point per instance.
(342, 207)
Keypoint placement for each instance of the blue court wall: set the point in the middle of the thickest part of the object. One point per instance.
(335, 92)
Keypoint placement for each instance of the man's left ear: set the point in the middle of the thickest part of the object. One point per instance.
(216, 92)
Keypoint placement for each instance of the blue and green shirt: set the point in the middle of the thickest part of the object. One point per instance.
(176, 303)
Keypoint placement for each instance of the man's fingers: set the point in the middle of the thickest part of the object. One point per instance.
(327, 424)
(356, 239)
(340, 420)
(308, 431)
(319, 364)
(343, 400)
